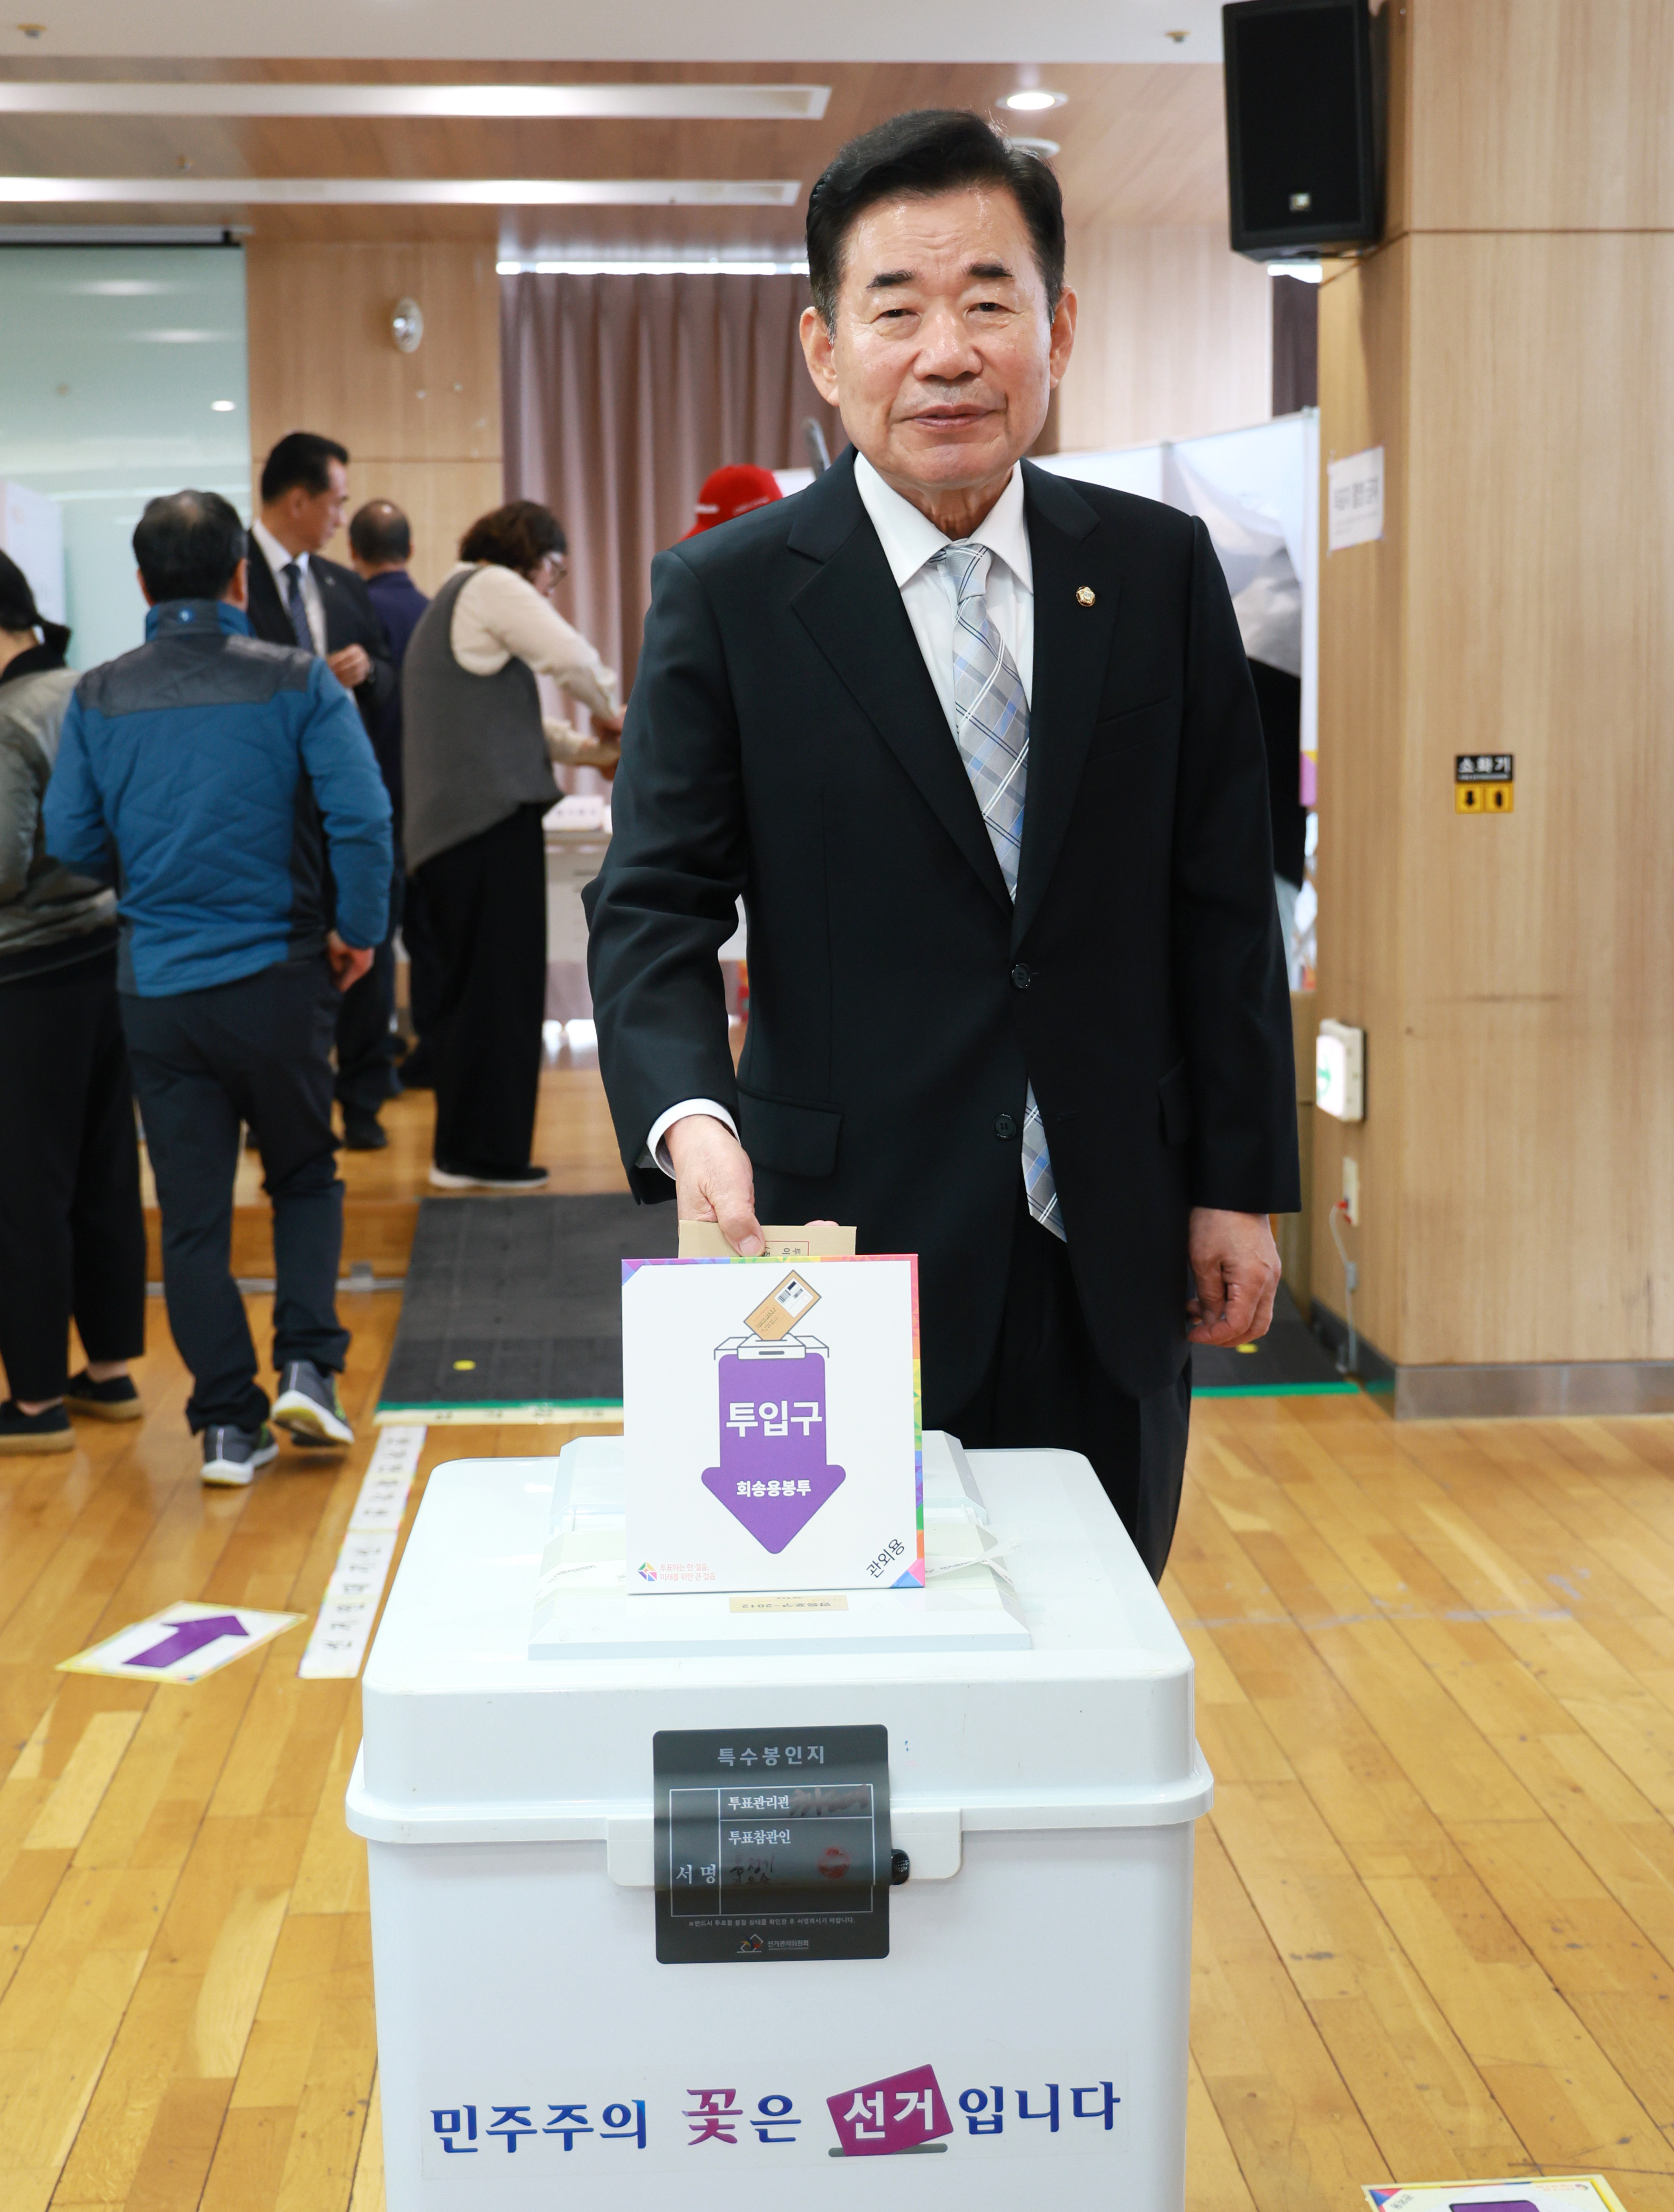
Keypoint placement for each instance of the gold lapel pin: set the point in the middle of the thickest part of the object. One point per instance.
(1085, 595)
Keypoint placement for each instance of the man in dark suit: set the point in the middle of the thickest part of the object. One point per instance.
(298, 598)
(979, 746)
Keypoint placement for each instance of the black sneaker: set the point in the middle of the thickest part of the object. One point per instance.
(362, 1132)
(231, 1456)
(308, 1406)
(115, 1401)
(461, 1178)
(47, 1431)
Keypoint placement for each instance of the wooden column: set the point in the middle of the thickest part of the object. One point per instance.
(422, 429)
(1511, 346)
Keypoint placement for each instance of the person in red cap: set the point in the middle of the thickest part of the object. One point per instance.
(736, 490)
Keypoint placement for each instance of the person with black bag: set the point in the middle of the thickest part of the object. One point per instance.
(72, 1232)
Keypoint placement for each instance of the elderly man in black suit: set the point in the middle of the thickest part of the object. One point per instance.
(979, 746)
(299, 598)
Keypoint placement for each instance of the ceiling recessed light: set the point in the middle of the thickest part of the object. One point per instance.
(223, 406)
(1033, 102)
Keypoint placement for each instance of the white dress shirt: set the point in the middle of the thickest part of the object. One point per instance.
(910, 543)
(278, 560)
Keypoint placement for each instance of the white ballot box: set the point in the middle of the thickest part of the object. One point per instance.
(671, 1893)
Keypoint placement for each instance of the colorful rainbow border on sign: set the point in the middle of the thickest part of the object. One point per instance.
(914, 1577)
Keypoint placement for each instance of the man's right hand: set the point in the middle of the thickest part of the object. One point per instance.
(714, 1182)
(349, 962)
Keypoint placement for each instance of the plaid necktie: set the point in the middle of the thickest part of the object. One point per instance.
(297, 604)
(991, 728)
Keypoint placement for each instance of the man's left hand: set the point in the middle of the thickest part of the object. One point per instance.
(1235, 1266)
(350, 666)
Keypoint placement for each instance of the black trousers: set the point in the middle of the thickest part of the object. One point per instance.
(485, 900)
(424, 972)
(1046, 1387)
(72, 1233)
(259, 1051)
(366, 1022)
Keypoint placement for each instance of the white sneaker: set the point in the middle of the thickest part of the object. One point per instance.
(231, 1456)
(507, 1179)
(309, 1406)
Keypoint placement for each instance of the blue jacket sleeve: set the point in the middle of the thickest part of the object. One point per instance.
(72, 813)
(337, 754)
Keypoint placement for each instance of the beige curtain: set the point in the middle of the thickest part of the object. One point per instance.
(621, 394)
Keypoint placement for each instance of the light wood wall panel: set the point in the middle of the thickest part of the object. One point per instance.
(422, 429)
(1541, 622)
(1175, 337)
(1540, 114)
(1512, 973)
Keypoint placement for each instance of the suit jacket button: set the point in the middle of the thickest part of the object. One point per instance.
(1004, 1126)
(1021, 976)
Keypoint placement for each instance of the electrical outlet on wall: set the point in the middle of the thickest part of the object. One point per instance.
(1351, 1190)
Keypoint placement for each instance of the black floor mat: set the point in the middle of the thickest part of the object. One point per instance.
(1288, 1362)
(514, 1302)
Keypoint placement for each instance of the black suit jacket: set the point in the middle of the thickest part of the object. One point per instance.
(350, 619)
(784, 741)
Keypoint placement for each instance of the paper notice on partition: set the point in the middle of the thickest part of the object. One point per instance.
(1573, 2192)
(1354, 500)
(770, 1424)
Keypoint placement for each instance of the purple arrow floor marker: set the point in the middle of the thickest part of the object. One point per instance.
(773, 1477)
(188, 1636)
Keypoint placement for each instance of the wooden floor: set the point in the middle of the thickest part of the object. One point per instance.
(1435, 1902)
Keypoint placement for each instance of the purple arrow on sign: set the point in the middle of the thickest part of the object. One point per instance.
(189, 1636)
(773, 1475)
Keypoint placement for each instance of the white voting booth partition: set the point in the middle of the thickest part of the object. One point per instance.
(884, 1878)
(1257, 492)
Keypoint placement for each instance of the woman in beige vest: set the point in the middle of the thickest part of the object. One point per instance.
(477, 756)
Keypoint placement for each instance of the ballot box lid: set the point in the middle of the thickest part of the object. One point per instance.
(468, 1737)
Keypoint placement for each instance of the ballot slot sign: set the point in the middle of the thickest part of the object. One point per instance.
(771, 1843)
(770, 1425)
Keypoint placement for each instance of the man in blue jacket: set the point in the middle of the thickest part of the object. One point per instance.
(232, 786)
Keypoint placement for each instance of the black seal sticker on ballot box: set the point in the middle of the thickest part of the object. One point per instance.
(771, 1843)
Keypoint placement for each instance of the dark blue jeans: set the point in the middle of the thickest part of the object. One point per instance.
(259, 1051)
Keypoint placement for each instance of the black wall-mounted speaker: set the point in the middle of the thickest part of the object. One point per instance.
(1304, 126)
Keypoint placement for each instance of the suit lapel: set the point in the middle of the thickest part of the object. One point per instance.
(331, 599)
(852, 609)
(1072, 651)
